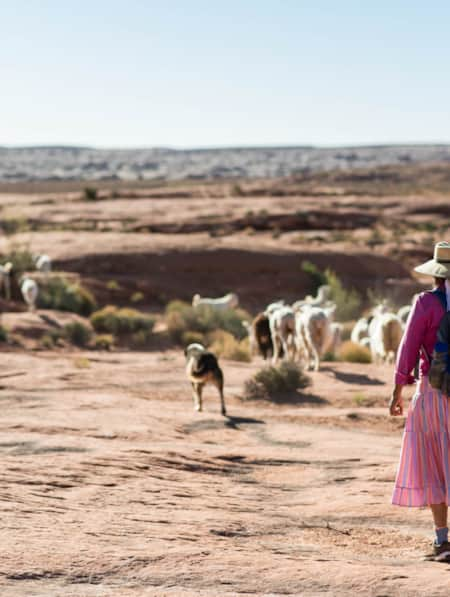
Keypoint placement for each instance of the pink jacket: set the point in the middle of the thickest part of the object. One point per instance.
(421, 330)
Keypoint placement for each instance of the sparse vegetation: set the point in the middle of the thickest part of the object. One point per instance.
(225, 345)
(104, 341)
(182, 317)
(77, 333)
(3, 334)
(90, 194)
(82, 363)
(354, 353)
(113, 285)
(112, 320)
(14, 225)
(317, 277)
(359, 399)
(348, 302)
(21, 258)
(62, 295)
(137, 297)
(271, 383)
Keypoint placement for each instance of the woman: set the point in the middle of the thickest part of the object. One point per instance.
(423, 476)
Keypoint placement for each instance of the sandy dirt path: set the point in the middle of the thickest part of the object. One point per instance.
(112, 485)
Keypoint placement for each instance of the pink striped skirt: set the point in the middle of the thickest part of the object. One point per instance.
(423, 475)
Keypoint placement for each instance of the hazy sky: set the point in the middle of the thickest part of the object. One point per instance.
(192, 73)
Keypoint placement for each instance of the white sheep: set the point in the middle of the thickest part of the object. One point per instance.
(5, 279)
(282, 330)
(30, 292)
(229, 301)
(313, 333)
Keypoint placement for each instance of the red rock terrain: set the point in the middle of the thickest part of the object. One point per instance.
(111, 483)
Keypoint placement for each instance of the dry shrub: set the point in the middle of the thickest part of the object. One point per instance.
(82, 363)
(223, 344)
(271, 383)
(354, 353)
(182, 317)
(104, 341)
(77, 333)
(112, 320)
(191, 337)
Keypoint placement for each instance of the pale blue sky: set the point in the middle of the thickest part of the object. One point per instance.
(195, 73)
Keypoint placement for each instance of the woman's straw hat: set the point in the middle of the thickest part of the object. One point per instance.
(439, 266)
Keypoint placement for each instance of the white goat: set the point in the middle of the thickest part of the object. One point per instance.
(43, 263)
(403, 312)
(360, 330)
(229, 301)
(274, 306)
(334, 340)
(5, 279)
(30, 292)
(282, 330)
(313, 333)
(251, 337)
(385, 334)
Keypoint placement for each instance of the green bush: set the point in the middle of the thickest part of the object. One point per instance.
(77, 333)
(317, 277)
(62, 295)
(112, 320)
(274, 382)
(21, 259)
(182, 317)
(348, 302)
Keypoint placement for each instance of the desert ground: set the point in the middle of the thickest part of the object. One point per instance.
(113, 485)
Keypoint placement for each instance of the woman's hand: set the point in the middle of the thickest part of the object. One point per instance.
(396, 402)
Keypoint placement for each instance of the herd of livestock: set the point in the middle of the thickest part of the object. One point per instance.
(28, 286)
(307, 329)
(304, 331)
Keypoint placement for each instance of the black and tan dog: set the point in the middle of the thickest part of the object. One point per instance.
(202, 368)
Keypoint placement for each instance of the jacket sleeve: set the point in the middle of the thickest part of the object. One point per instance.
(412, 340)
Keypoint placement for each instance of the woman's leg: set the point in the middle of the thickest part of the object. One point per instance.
(440, 513)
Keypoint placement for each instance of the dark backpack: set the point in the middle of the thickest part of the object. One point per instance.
(439, 374)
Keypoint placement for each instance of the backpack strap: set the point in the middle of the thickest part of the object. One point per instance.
(442, 298)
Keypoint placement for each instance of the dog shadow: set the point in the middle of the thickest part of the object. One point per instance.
(235, 422)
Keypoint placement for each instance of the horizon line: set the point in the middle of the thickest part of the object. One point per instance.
(64, 146)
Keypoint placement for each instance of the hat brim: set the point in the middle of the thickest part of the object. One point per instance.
(433, 268)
